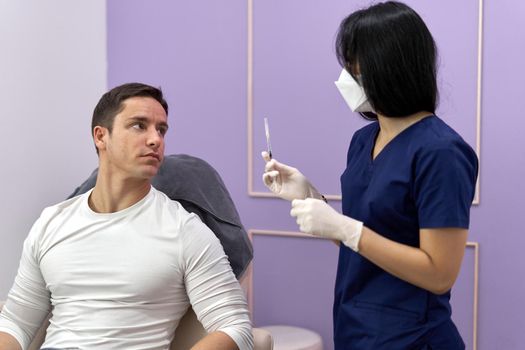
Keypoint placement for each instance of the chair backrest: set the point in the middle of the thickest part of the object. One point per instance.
(188, 332)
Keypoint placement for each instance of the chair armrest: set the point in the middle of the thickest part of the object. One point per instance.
(190, 331)
(262, 339)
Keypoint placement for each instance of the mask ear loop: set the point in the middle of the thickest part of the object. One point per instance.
(366, 115)
(369, 115)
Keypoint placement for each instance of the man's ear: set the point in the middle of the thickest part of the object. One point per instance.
(100, 134)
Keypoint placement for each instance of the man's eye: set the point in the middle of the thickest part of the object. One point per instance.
(139, 126)
(163, 131)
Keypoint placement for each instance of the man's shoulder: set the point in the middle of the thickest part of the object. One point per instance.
(173, 207)
(71, 204)
(53, 216)
(163, 199)
(172, 214)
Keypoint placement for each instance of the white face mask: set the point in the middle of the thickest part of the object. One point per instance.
(353, 93)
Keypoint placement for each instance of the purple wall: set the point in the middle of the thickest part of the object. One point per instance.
(197, 52)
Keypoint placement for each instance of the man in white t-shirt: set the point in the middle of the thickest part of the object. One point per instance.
(120, 264)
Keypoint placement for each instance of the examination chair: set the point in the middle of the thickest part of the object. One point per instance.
(200, 190)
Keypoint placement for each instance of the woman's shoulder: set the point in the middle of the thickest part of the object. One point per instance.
(437, 134)
(437, 138)
(366, 132)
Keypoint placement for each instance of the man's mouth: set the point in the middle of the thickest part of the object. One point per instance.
(153, 155)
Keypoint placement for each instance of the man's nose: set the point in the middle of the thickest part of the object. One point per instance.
(154, 138)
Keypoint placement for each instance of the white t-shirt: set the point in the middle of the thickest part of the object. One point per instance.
(122, 280)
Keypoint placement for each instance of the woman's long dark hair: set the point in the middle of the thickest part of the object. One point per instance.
(396, 56)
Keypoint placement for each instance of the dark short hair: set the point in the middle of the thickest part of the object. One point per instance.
(396, 55)
(111, 103)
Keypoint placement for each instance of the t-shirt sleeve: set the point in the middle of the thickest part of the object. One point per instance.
(445, 182)
(213, 290)
(28, 302)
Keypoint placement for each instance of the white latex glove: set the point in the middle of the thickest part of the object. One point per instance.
(316, 217)
(287, 182)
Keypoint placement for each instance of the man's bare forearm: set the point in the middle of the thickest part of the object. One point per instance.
(8, 342)
(216, 341)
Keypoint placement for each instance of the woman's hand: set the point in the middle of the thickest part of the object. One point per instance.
(319, 219)
(286, 182)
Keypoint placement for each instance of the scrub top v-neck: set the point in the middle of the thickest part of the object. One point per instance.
(423, 178)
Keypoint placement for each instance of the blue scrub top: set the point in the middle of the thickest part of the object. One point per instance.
(424, 178)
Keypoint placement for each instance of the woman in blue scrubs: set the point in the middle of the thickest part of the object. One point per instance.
(406, 191)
